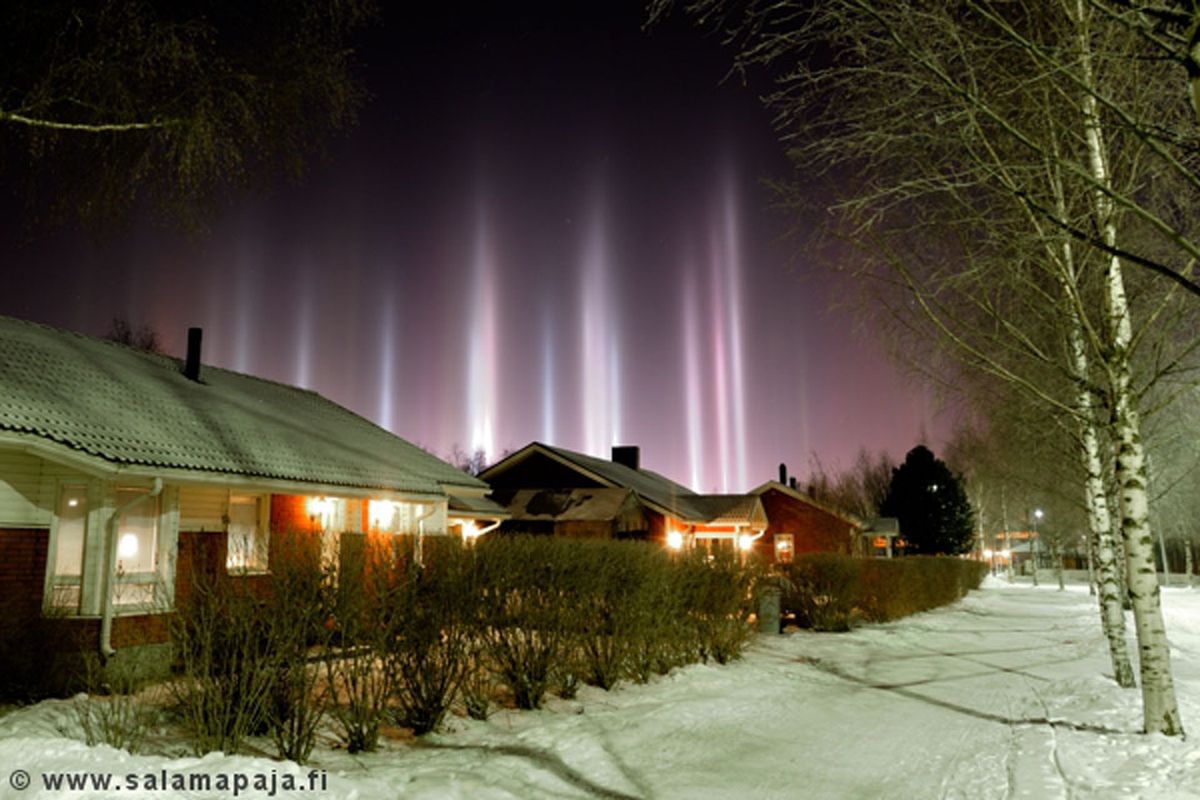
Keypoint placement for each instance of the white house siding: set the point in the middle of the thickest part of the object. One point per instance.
(203, 508)
(28, 488)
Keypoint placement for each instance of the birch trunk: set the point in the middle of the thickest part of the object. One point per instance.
(1091, 565)
(1008, 568)
(1188, 565)
(1160, 711)
(1058, 569)
(1111, 592)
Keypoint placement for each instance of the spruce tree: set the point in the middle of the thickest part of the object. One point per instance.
(931, 504)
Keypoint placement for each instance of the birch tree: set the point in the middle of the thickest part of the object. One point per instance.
(992, 132)
(165, 107)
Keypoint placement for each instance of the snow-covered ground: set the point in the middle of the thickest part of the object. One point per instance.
(999, 696)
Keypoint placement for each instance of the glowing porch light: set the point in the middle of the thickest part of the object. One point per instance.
(470, 531)
(675, 540)
(127, 547)
(72, 503)
(988, 552)
(1005, 553)
(745, 542)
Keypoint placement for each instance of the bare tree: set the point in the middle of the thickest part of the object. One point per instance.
(860, 489)
(998, 165)
(163, 107)
(143, 337)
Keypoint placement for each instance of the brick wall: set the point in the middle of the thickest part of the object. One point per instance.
(815, 530)
(23, 570)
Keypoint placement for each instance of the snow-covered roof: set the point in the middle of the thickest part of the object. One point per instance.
(654, 489)
(657, 490)
(729, 509)
(567, 505)
(129, 408)
(471, 506)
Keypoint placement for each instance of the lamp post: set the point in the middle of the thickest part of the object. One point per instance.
(1037, 518)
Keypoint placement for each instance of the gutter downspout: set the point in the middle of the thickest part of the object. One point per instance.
(110, 567)
(489, 528)
(421, 531)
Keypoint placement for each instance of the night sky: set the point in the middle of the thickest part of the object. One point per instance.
(548, 225)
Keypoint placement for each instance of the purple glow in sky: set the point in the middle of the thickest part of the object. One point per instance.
(548, 225)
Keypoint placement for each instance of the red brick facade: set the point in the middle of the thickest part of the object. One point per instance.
(814, 529)
(23, 570)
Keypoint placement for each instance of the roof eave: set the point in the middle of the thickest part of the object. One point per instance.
(102, 468)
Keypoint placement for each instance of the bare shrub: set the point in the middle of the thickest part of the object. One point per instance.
(523, 598)
(717, 590)
(431, 643)
(111, 713)
(228, 668)
(477, 687)
(359, 681)
(297, 612)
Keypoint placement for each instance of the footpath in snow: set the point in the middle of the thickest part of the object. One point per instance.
(999, 696)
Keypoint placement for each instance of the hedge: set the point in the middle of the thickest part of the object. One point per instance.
(827, 591)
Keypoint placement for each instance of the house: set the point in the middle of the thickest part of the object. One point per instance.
(123, 473)
(881, 537)
(551, 489)
(799, 524)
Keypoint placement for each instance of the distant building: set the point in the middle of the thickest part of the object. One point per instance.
(881, 537)
(566, 492)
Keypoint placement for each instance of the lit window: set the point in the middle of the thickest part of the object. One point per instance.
(247, 542)
(72, 520)
(785, 548)
(323, 511)
(137, 534)
(383, 515)
(68, 548)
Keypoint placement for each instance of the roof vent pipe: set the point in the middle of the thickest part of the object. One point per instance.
(792, 482)
(783, 473)
(627, 455)
(191, 367)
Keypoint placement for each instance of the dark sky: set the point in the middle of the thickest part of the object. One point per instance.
(548, 225)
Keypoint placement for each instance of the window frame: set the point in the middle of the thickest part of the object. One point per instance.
(56, 582)
(262, 533)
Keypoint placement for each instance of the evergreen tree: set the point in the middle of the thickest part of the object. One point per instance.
(931, 504)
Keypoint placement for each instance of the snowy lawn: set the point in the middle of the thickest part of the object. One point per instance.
(999, 696)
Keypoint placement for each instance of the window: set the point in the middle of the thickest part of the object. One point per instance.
(390, 516)
(247, 543)
(785, 548)
(383, 515)
(137, 534)
(68, 549)
(72, 523)
(137, 550)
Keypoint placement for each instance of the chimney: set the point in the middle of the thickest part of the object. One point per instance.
(783, 474)
(191, 367)
(629, 455)
(792, 482)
